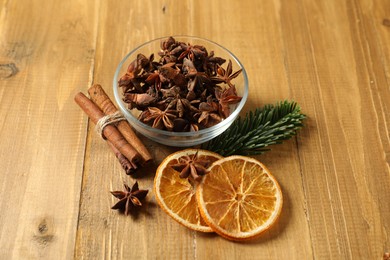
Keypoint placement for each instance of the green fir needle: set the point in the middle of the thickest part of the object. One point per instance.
(259, 129)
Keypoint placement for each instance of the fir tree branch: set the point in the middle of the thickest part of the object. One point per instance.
(259, 129)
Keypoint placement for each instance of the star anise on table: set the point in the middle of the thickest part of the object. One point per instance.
(161, 118)
(191, 165)
(227, 75)
(129, 198)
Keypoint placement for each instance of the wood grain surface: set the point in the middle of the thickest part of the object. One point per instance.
(331, 56)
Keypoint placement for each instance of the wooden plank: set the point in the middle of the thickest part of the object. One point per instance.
(330, 78)
(102, 232)
(262, 53)
(375, 48)
(45, 56)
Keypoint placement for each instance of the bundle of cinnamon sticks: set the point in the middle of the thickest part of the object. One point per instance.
(128, 148)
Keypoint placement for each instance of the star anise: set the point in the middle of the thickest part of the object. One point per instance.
(170, 50)
(227, 75)
(226, 98)
(208, 114)
(191, 165)
(158, 77)
(166, 44)
(173, 75)
(126, 81)
(192, 51)
(175, 101)
(184, 125)
(161, 118)
(193, 127)
(197, 79)
(145, 63)
(134, 69)
(129, 198)
(138, 100)
(211, 63)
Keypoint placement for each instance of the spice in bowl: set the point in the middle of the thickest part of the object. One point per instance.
(186, 90)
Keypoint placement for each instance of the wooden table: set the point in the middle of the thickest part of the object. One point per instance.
(332, 57)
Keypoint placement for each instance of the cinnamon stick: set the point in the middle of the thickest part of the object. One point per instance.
(102, 100)
(125, 163)
(110, 132)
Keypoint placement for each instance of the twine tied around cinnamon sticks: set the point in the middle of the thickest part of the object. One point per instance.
(126, 145)
(107, 120)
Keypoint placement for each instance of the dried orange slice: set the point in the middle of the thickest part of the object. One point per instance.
(175, 195)
(239, 198)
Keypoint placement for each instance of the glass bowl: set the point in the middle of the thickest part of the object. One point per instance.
(181, 139)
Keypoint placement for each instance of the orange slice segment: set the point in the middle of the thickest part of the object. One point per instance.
(175, 195)
(239, 198)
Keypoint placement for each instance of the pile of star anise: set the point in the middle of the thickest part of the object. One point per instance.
(186, 90)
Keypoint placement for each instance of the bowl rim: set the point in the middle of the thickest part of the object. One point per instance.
(201, 132)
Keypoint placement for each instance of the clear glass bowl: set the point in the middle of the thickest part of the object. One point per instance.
(181, 139)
